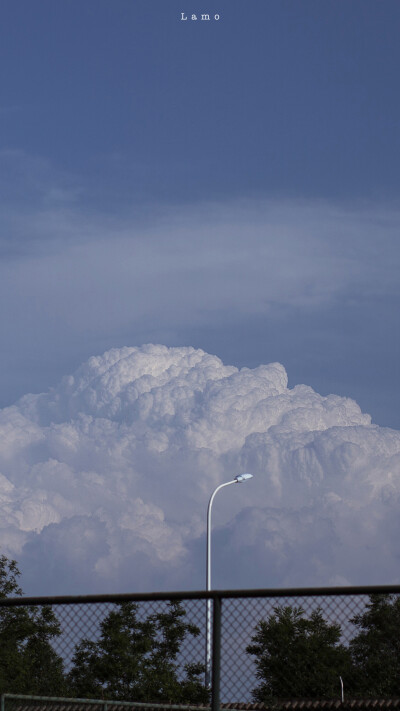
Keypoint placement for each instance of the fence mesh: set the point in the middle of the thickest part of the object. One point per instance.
(275, 648)
(83, 621)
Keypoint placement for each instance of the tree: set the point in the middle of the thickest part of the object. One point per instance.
(136, 659)
(44, 668)
(376, 648)
(9, 575)
(297, 657)
(28, 662)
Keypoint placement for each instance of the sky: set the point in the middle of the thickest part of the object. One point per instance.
(229, 185)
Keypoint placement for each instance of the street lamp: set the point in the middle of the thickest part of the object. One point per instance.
(237, 480)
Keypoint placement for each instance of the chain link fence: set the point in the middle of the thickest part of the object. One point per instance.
(269, 649)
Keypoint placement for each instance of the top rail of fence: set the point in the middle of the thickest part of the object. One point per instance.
(203, 594)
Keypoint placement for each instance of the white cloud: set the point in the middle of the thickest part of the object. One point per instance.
(105, 479)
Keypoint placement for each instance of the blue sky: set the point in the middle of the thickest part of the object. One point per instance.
(231, 185)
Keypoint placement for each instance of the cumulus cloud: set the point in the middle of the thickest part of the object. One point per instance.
(105, 479)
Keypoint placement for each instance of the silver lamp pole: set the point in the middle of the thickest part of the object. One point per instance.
(237, 480)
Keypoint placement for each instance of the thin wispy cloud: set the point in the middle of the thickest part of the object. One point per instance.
(74, 281)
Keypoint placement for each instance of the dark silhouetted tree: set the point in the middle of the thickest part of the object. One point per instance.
(135, 659)
(298, 657)
(28, 662)
(376, 648)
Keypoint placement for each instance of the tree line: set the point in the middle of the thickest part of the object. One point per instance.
(304, 657)
(137, 658)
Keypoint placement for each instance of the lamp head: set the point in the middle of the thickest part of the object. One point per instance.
(243, 477)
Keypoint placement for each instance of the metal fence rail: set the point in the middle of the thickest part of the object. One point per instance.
(20, 702)
(273, 648)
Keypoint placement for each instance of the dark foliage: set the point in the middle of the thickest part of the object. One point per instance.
(136, 659)
(298, 657)
(28, 662)
(376, 648)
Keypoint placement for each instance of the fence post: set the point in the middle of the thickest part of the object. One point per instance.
(216, 653)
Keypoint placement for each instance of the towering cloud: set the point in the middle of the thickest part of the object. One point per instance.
(105, 479)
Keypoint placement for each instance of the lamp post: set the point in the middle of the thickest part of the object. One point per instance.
(237, 480)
